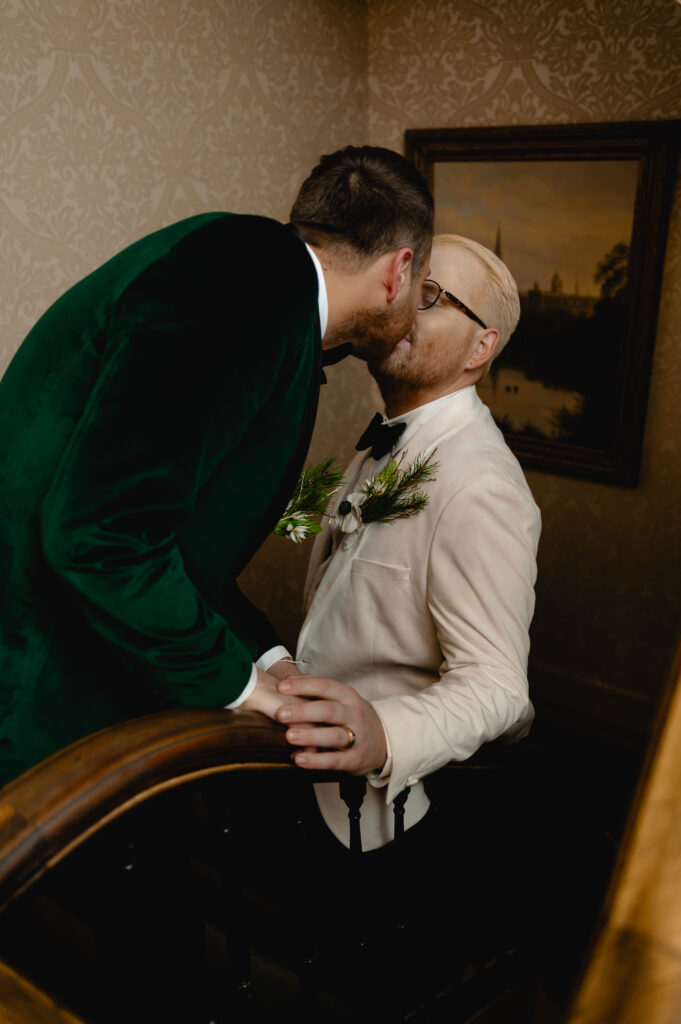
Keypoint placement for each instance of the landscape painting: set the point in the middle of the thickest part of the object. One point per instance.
(579, 214)
(564, 231)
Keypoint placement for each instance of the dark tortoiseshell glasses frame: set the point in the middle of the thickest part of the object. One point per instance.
(452, 298)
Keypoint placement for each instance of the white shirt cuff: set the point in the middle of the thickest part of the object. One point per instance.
(266, 660)
(246, 692)
(378, 779)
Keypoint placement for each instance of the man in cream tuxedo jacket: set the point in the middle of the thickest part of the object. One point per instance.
(416, 636)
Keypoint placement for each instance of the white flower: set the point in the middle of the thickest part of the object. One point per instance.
(348, 517)
(296, 532)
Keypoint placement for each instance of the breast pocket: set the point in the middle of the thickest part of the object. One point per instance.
(380, 570)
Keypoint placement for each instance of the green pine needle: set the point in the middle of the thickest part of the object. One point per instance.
(310, 500)
(395, 494)
(392, 493)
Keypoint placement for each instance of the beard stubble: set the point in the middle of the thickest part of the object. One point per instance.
(373, 334)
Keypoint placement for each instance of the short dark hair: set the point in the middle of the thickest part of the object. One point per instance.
(364, 201)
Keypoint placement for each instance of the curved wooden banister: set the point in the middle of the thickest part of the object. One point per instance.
(22, 1003)
(634, 975)
(54, 806)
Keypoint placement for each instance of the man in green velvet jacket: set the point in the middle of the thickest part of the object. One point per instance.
(152, 426)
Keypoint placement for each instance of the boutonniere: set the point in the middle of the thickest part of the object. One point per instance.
(309, 501)
(392, 493)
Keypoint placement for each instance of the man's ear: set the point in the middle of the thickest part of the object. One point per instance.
(397, 272)
(484, 350)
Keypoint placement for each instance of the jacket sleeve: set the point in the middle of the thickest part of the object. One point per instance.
(481, 574)
(153, 430)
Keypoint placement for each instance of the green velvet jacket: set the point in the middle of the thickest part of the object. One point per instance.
(152, 426)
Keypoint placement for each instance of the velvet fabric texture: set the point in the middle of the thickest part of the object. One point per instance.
(152, 426)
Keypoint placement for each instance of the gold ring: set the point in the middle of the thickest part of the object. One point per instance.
(352, 739)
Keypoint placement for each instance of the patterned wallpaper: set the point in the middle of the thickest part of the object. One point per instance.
(120, 116)
(608, 601)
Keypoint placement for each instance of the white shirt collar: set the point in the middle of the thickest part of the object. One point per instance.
(415, 418)
(322, 296)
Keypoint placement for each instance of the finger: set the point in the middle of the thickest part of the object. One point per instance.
(333, 738)
(313, 711)
(317, 687)
(327, 760)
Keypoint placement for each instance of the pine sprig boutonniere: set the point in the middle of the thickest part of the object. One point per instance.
(392, 493)
(310, 501)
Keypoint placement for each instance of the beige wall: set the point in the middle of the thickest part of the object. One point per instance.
(608, 598)
(117, 117)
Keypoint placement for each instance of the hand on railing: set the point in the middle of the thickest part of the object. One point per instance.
(266, 698)
(54, 805)
(338, 729)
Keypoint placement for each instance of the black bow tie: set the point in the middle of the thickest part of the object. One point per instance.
(379, 436)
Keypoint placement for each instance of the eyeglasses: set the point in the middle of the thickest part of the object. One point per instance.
(431, 292)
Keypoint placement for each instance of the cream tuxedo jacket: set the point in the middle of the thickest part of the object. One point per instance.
(428, 617)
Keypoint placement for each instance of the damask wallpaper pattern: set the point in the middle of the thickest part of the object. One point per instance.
(117, 118)
(120, 116)
(437, 62)
(608, 608)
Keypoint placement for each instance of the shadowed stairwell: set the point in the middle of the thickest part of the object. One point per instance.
(175, 869)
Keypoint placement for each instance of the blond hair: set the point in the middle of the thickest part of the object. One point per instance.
(497, 301)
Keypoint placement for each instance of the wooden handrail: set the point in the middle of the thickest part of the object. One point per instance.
(634, 975)
(22, 1003)
(54, 806)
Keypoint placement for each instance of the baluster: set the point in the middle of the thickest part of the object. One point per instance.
(352, 791)
(398, 810)
(361, 967)
(400, 921)
(401, 868)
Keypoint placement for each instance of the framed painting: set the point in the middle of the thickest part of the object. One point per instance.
(579, 214)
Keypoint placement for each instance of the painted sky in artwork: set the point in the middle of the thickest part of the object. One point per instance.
(559, 216)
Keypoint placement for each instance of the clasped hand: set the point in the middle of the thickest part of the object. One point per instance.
(318, 724)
